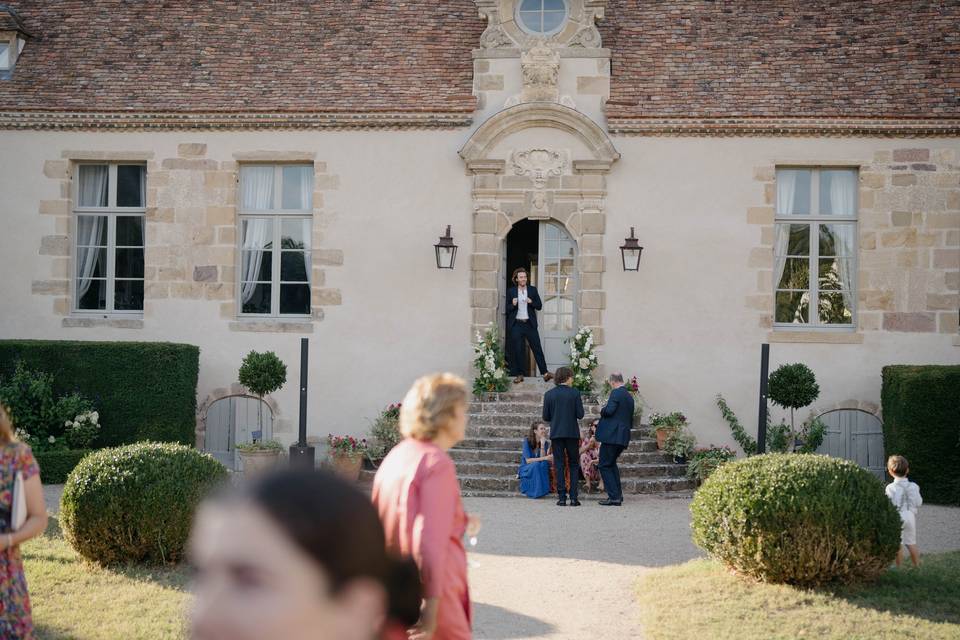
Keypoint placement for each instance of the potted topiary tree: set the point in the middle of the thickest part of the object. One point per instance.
(261, 373)
(793, 386)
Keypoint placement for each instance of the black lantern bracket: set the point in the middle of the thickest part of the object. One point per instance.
(630, 252)
(446, 251)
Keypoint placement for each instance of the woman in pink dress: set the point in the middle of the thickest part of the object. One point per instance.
(418, 497)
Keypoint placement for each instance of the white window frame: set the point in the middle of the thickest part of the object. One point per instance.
(278, 215)
(813, 221)
(111, 212)
(542, 34)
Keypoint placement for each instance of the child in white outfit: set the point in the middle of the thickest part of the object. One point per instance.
(905, 496)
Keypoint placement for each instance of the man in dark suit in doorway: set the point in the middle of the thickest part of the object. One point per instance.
(613, 434)
(563, 408)
(523, 302)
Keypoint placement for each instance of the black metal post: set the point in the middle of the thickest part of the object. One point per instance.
(762, 419)
(302, 456)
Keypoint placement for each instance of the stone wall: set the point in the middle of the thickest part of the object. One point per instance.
(191, 234)
(909, 245)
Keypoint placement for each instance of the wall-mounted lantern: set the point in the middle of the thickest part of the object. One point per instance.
(446, 251)
(630, 251)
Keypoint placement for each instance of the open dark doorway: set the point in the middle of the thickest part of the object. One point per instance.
(523, 250)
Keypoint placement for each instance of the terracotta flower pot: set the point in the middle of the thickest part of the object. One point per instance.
(257, 462)
(662, 434)
(347, 466)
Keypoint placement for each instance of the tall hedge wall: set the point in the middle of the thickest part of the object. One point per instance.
(921, 420)
(143, 390)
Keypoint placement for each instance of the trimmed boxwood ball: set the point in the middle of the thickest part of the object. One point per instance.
(136, 503)
(800, 519)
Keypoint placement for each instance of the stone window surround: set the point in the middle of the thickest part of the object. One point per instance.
(59, 245)
(188, 157)
(935, 169)
(811, 332)
(115, 318)
(321, 257)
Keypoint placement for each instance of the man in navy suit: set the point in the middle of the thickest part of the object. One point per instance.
(613, 434)
(563, 408)
(523, 302)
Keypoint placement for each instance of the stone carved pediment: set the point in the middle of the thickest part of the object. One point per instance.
(539, 164)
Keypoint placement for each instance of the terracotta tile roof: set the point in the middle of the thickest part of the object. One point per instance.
(10, 20)
(783, 58)
(246, 55)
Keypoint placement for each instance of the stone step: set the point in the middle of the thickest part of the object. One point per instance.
(630, 485)
(514, 431)
(509, 470)
(524, 395)
(513, 456)
(533, 408)
(524, 419)
(486, 441)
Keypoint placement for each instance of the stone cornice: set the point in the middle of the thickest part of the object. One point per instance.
(59, 120)
(821, 127)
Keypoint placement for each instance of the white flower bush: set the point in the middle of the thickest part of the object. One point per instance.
(489, 363)
(82, 430)
(583, 360)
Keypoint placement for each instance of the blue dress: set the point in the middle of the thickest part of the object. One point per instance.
(534, 476)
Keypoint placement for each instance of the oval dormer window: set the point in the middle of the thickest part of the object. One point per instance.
(542, 17)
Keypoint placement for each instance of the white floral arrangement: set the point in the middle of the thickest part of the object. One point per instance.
(583, 359)
(82, 430)
(489, 363)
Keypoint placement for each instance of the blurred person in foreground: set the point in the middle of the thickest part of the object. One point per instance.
(297, 555)
(418, 497)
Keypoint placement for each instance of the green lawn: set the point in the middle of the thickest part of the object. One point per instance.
(702, 600)
(74, 599)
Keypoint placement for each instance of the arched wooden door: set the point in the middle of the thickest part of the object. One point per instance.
(232, 421)
(855, 435)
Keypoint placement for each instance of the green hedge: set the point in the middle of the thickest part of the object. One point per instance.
(921, 421)
(143, 390)
(55, 466)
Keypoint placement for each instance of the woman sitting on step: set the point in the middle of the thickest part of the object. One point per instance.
(590, 458)
(534, 471)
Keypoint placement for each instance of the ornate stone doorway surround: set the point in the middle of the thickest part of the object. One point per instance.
(539, 161)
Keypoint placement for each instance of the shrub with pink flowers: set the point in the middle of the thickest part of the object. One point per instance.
(346, 446)
(385, 432)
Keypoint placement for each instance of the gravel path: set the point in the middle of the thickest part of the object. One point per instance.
(549, 572)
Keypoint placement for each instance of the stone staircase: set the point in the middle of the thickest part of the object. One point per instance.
(487, 460)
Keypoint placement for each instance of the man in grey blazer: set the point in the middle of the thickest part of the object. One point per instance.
(563, 408)
(613, 434)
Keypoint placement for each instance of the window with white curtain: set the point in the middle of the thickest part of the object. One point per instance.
(109, 207)
(815, 247)
(276, 224)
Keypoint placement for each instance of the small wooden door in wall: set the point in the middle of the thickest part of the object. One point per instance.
(232, 421)
(855, 435)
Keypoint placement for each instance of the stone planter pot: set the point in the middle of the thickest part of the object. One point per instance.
(258, 462)
(347, 467)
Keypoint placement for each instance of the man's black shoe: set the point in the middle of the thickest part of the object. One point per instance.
(609, 503)
(562, 502)
(575, 503)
